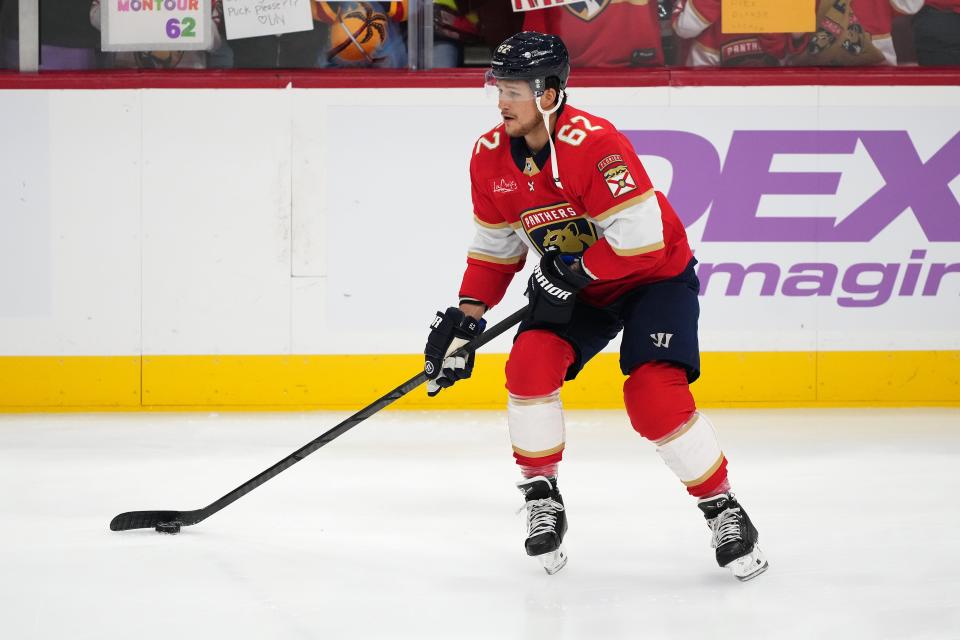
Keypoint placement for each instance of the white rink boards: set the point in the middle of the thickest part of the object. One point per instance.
(175, 222)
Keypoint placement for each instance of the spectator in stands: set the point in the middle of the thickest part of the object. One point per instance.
(454, 26)
(602, 33)
(936, 32)
(497, 21)
(857, 32)
(163, 59)
(386, 20)
(699, 23)
(67, 41)
(668, 38)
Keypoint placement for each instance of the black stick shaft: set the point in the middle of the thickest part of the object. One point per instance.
(329, 436)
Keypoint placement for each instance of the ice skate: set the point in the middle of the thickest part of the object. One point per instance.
(734, 536)
(546, 522)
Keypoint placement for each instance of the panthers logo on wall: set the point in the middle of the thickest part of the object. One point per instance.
(587, 10)
(590, 9)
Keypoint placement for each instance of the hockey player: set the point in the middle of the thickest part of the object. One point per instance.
(614, 257)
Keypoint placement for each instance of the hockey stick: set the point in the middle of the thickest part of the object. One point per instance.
(171, 521)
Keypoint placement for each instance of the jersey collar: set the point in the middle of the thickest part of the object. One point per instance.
(521, 153)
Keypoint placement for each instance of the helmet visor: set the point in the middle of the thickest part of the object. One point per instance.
(507, 90)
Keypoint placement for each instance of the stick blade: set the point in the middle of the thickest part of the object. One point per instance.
(144, 519)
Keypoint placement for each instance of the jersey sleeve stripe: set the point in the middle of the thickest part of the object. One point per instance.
(703, 47)
(635, 230)
(490, 225)
(497, 245)
(639, 250)
(494, 259)
(623, 205)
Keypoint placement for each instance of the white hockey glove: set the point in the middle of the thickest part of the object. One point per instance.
(450, 330)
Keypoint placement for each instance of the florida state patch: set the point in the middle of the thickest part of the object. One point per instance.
(619, 180)
(614, 158)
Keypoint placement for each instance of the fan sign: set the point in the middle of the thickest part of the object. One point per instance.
(156, 25)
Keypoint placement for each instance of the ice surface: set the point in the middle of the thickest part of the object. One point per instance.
(406, 528)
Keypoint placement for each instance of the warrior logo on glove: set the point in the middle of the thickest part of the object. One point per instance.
(548, 287)
(553, 287)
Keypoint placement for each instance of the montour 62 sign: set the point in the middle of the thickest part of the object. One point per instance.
(152, 25)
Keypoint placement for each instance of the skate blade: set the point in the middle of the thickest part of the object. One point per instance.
(553, 561)
(749, 566)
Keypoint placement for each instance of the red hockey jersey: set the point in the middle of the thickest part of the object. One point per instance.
(604, 33)
(606, 211)
(876, 16)
(700, 20)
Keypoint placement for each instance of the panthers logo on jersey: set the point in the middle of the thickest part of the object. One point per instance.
(558, 227)
(574, 237)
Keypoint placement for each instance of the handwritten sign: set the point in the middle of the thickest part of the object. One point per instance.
(250, 18)
(768, 16)
(155, 25)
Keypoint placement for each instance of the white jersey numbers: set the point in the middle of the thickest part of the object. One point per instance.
(573, 136)
(586, 123)
(488, 144)
(568, 133)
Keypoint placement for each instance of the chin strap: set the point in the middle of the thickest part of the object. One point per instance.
(546, 123)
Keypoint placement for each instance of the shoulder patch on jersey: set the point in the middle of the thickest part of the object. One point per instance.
(609, 160)
(503, 186)
(619, 180)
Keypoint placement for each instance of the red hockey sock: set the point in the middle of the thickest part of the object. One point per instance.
(712, 486)
(546, 470)
(723, 487)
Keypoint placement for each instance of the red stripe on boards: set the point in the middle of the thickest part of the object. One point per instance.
(470, 78)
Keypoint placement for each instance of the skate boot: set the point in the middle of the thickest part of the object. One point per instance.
(546, 522)
(734, 536)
